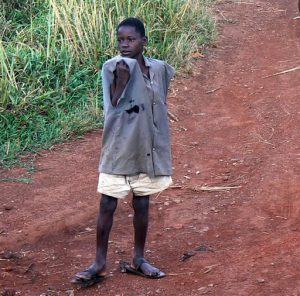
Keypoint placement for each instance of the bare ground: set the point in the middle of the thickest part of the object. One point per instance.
(236, 196)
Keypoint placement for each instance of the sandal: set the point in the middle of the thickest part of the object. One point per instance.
(126, 267)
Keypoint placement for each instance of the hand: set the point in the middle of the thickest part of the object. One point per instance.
(122, 73)
(122, 76)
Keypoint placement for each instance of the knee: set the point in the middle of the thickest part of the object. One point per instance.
(141, 205)
(108, 204)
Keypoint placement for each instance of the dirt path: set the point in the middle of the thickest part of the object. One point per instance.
(236, 129)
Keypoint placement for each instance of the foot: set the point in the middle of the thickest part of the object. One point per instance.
(91, 276)
(142, 265)
(93, 271)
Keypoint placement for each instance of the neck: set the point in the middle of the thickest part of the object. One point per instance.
(140, 60)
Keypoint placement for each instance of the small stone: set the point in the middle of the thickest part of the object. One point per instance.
(204, 229)
(178, 226)
(166, 203)
(70, 292)
(261, 281)
(130, 215)
(202, 289)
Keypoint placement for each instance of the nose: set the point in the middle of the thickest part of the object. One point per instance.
(124, 43)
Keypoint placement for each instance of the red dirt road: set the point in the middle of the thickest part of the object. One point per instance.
(236, 129)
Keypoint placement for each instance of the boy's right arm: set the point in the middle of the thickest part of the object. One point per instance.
(122, 76)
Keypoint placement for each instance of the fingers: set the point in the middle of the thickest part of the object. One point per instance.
(122, 65)
(122, 72)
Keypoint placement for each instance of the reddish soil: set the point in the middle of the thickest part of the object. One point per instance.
(235, 129)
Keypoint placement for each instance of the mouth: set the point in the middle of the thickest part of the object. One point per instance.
(125, 53)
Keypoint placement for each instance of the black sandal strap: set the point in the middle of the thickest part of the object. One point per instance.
(138, 263)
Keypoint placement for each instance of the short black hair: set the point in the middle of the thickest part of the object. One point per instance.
(133, 22)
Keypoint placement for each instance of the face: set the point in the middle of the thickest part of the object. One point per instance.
(130, 42)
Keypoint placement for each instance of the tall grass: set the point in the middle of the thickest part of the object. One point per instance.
(51, 52)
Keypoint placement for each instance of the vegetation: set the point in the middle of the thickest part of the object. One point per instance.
(51, 52)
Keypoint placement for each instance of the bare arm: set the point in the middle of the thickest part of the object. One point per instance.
(122, 76)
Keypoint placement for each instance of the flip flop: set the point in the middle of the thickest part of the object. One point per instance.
(87, 278)
(127, 267)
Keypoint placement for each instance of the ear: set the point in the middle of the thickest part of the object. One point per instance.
(145, 40)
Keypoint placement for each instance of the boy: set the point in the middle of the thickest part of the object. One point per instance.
(136, 153)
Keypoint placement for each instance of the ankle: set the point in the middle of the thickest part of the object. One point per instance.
(98, 266)
(138, 255)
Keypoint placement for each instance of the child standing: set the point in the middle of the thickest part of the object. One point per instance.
(136, 149)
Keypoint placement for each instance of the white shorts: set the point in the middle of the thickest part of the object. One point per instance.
(119, 186)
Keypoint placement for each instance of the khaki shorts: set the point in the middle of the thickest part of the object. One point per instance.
(119, 186)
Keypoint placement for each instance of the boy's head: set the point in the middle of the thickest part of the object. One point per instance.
(131, 37)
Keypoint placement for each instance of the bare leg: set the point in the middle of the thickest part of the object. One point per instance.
(140, 222)
(108, 206)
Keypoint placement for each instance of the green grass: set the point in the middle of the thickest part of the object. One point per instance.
(51, 52)
(17, 180)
